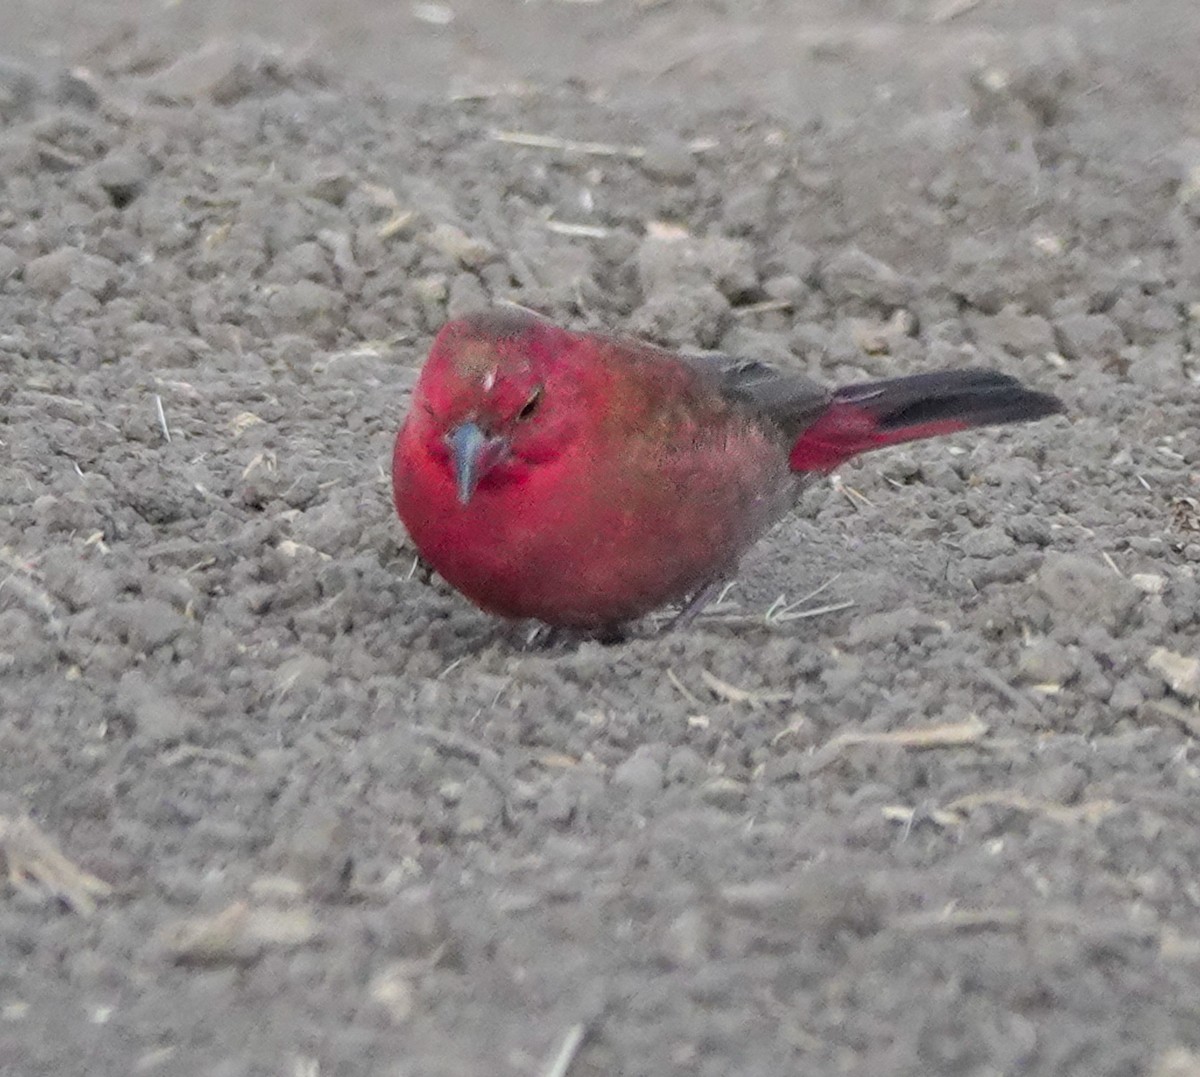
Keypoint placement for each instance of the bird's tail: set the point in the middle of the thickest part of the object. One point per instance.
(874, 414)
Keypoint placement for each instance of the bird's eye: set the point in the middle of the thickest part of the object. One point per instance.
(531, 405)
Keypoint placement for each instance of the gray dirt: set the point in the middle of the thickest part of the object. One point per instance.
(349, 825)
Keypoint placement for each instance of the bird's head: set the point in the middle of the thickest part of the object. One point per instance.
(498, 394)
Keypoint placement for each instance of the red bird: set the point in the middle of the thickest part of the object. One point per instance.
(584, 481)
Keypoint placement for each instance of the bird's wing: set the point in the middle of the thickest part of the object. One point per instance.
(789, 400)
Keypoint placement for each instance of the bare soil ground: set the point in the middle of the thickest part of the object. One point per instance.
(272, 803)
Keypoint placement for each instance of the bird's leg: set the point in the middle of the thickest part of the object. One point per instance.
(694, 606)
(421, 570)
(541, 637)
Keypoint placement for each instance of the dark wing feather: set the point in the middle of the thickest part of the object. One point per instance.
(790, 401)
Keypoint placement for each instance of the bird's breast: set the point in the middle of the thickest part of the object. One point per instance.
(603, 533)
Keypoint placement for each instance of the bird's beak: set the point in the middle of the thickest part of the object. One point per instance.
(473, 455)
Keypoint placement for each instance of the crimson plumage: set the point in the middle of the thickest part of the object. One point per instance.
(585, 480)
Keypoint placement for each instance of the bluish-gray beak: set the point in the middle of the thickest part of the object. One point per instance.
(469, 449)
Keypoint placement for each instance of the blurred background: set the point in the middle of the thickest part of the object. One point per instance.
(795, 58)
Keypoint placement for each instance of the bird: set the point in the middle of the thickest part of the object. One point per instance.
(585, 480)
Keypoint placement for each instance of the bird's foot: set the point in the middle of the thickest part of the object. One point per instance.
(542, 637)
(694, 606)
